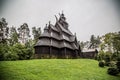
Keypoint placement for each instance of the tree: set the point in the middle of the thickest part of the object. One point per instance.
(98, 41)
(110, 52)
(3, 50)
(24, 33)
(108, 38)
(94, 42)
(82, 45)
(36, 33)
(11, 53)
(30, 48)
(10, 48)
(92, 39)
(13, 35)
(116, 47)
(107, 46)
(4, 30)
(116, 42)
(101, 55)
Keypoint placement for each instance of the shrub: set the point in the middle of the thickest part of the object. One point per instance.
(3, 50)
(107, 59)
(112, 64)
(118, 65)
(101, 64)
(10, 56)
(114, 56)
(107, 63)
(112, 71)
(100, 55)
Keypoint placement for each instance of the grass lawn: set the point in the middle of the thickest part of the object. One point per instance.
(54, 69)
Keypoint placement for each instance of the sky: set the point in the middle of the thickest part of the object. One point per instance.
(85, 17)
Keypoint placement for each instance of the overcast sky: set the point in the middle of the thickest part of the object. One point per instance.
(85, 17)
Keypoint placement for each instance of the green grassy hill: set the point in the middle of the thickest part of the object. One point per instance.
(54, 69)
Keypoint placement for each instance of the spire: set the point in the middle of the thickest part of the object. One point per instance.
(75, 37)
(62, 20)
(62, 16)
(62, 13)
(46, 27)
(49, 22)
(75, 34)
(49, 26)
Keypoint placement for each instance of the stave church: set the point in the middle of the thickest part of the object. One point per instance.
(57, 41)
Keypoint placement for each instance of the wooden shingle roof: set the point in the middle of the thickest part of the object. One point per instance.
(58, 36)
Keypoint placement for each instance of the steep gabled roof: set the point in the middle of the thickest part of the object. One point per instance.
(45, 34)
(58, 35)
(64, 30)
(53, 27)
(54, 43)
(43, 42)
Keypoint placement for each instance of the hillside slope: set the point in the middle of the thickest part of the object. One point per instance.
(54, 69)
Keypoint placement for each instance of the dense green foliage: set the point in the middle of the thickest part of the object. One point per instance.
(95, 41)
(15, 52)
(110, 52)
(101, 63)
(112, 71)
(3, 49)
(110, 47)
(118, 65)
(15, 43)
(36, 33)
(54, 69)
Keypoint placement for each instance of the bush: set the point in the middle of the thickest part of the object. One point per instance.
(3, 50)
(101, 64)
(10, 56)
(15, 52)
(112, 71)
(112, 64)
(100, 55)
(118, 65)
(107, 59)
(107, 63)
(114, 56)
(22, 51)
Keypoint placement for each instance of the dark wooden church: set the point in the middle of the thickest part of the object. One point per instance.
(57, 41)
